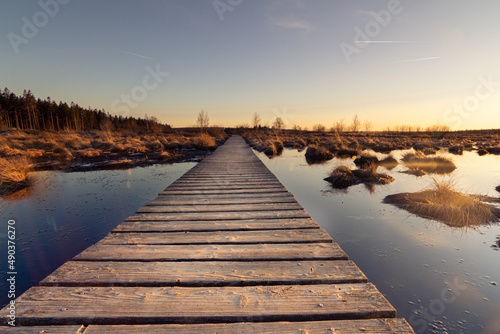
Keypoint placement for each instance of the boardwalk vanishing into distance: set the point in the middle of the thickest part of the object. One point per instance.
(224, 249)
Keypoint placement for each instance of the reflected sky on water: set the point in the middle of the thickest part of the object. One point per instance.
(433, 274)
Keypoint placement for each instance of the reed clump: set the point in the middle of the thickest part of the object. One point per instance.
(317, 154)
(343, 177)
(443, 203)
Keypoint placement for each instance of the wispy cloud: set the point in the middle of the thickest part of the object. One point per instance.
(291, 22)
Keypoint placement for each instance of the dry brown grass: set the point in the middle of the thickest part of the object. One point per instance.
(342, 177)
(317, 154)
(205, 140)
(443, 203)
(15, 170)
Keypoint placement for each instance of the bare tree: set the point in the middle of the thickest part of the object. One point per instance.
(256, 120)
(355, 124)
(319, 128)
(296, 127)
(203, 120)
(278, 123)
(368, 126)
(338, 127)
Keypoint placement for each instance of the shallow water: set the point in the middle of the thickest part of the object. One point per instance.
(439, 278)
(67, 212)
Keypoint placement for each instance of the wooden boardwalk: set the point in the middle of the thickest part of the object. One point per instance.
(224, 249)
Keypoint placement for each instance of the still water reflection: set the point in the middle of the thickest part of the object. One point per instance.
(439, 278)
(67, 212)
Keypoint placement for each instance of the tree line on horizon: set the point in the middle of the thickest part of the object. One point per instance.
(26, 112)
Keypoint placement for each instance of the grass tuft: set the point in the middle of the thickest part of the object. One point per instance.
(15, 170)
(317, 154)
(205, 140)
(342, 177)
(443, 203)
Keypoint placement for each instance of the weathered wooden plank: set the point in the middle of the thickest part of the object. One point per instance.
(84, 273)
(227, 178)
(184, 197)
(273, 252)
(372, 326)
(202, 200)
(216, 216)
(220, 208)
(189, 182)
(232, 191)
(224, 225)
(224, 188)
(219, 237)
(153, 305)
(74, 329)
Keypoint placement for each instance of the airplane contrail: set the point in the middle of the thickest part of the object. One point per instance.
(135, 54)
(390, 42)
(417, 59)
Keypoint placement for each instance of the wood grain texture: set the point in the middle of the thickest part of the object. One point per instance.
(220, 208)
(43, 330)
(238, 187)
(219, 216)
(233, 191)
(220, 200)
(216, 196)
(219, 237)
(371, 326)
(276, 252)
(225, 225)
(154, 305)
(109, 273)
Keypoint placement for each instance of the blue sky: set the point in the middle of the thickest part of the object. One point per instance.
(391, 62)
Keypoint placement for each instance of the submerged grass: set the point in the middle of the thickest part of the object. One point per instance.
(420, 164)
(443, 203)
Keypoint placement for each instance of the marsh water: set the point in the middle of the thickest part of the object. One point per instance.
(439, 278)
(64, 213)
